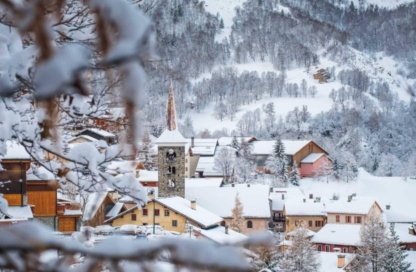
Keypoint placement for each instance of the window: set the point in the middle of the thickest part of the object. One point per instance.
(133, 217)
(327, 248)
(337, 218)
(347, 219)
(174, 223)
(249, 224)
(157, 212)
(296, 223)
(145, 212)
(310, 223)
(319, 248)
(345, 250)
(318, 224)
(145, 224)
(167, 213)
(358, 219)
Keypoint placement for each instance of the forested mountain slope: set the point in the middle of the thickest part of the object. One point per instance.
(340, 72)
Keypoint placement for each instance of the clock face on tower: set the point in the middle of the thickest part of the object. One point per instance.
(171, 164)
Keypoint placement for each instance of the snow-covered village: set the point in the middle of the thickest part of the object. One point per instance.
(216, 135)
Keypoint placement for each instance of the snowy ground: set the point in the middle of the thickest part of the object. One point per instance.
(226, 10)
(394, 191)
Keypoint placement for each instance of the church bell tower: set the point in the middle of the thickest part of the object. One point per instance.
(172, 148)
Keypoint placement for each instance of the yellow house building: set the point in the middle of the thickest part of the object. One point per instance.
(307, 213)
(354, 210)
(172, 214)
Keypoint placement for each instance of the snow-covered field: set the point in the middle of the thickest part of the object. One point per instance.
(394, 191)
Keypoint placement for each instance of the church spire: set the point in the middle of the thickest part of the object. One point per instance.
(171, 111)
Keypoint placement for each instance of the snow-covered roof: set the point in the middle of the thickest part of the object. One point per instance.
(20, 212)
(86, 137)
(39, 173)
(203, 147)
(296, 207)
(266, 147)
(338, 234)
(73, 212)
(329, 261)
(148, 175)
(309, 233)
(200, 215)
(228, 140)
(395, 216)
(171, 137)
(123, 166)
(114, 210)
(279, 196)
(93, 203)
(205, 163)
(15, 151)
(203, 182)
(402, 231)
(221, 200)
(358, 205)
(98, 131)
(313, 157)
(218, 235)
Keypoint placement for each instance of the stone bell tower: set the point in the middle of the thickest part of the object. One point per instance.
(172, 148)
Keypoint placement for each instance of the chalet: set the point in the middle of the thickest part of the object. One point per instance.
(307, 213)
(99, 207)
(172, 213)
(334, 237)
(309, 152)
(354, 210)
(221, 201)
(99, 134)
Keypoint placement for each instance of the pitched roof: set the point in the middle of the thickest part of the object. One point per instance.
(171, 137)
(297, 207)
(98, 131)
(313, 157)
(402, 231)
(218, 235)
(221, 200)
(203, 182)
(338, 234)
(358, 205)
(266, 147)
(15, 151)
(228, 140)
(202, 216)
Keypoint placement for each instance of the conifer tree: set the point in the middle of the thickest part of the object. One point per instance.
(234, 143)
(372, 250)
(301, 255)
(237, 222)
(222, 24)
(294, 175)
(394, 260)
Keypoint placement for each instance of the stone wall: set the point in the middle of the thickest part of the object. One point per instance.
(171, 184)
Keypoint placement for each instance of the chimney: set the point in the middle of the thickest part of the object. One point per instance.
(341, 260)
(283, 196)
(304, 200)
(310, 196)
(226, 229)
(248, 184)
(317, 199)
(192, 141)
(349, 198)
(193, 204)
(232, 185)
(387, 207)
